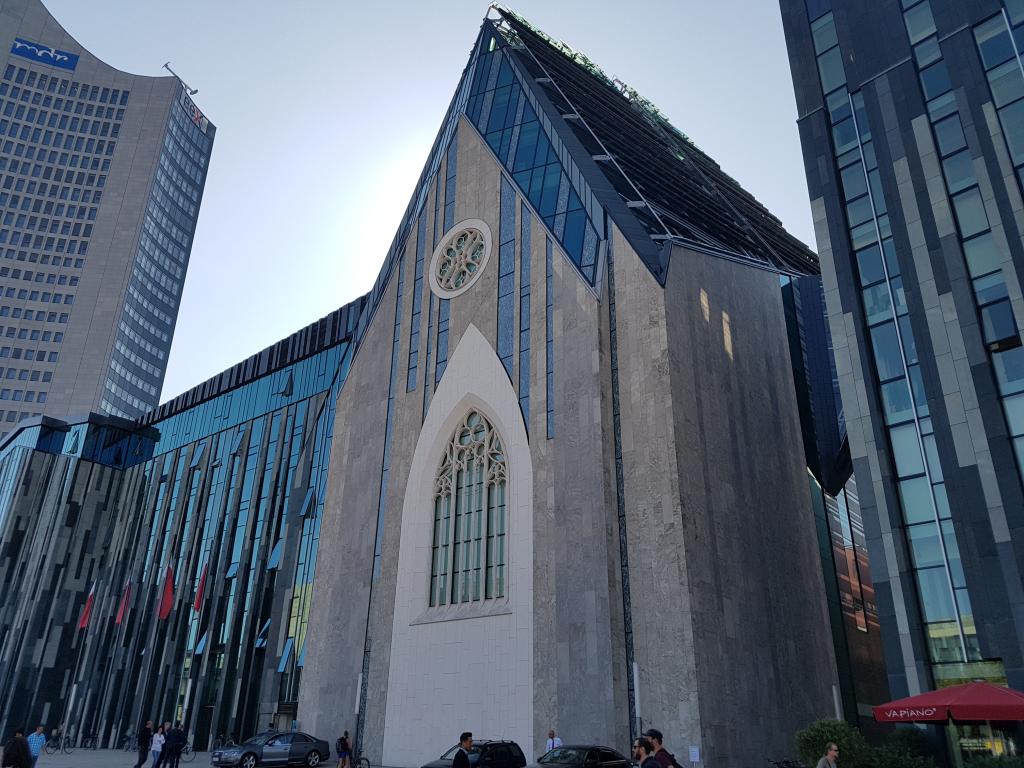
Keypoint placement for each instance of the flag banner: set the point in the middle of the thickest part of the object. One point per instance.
(167, 599)
(198, 604)
(83, 620)
(122, 609)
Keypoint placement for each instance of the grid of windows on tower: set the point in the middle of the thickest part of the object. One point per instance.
(941, 588)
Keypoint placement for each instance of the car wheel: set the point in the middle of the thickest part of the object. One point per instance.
(248, 761)
(313, 758)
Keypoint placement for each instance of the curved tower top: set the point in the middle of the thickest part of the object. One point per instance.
(101, 179)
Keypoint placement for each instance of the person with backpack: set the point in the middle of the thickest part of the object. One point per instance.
(344, 748)
(665, 758)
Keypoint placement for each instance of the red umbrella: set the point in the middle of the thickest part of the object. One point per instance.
(970, 701)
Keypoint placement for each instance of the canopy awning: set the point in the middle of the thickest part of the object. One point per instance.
(970, 701)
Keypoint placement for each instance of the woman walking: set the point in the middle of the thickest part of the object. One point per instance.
(157, 746)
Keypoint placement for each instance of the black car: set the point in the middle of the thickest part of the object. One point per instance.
(274, 748)
(485, 754)
(583, 756)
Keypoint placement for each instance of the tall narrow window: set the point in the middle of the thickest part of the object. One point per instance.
(468, 545)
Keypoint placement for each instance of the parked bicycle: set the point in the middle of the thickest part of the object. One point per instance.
(59, 743)
(187, 753)
(130, 743)
(224, 741)
(90, 742)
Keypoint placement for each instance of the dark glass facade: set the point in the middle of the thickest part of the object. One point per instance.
(196, 530)
(907, 118)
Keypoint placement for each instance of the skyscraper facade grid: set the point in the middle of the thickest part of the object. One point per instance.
(101, 180)
(911, 118)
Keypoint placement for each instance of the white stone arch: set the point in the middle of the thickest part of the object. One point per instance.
(468, 666)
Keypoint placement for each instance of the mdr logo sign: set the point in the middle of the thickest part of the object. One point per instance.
(44, 54)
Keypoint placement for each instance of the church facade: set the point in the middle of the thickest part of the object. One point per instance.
(571, 441)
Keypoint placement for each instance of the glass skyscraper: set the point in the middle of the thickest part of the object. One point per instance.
(911, 116)
(101, 180)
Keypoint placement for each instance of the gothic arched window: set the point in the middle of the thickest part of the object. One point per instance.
(468, 546)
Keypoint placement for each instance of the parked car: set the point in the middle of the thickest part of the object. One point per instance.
(583, 756)
(274, 748)
(486, 754)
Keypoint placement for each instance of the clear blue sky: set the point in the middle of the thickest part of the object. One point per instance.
(326, 109)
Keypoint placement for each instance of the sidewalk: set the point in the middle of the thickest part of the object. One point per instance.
(105, 758)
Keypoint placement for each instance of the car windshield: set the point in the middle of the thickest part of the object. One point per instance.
(450, 754)
(260, 739)
(563, 755)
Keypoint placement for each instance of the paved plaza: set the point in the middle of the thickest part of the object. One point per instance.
(103, 758)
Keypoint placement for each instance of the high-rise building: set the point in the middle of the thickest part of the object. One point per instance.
(101, 179)
(911, 116)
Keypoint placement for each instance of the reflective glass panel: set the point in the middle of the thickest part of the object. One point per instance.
(917, 500)
(887, 351)
(920, 23)
(982, 255)
(994, 42)
(970, 212)
(936, 599)
(906, 450)
(877, 306)
(950, 135)
(959, 169)
(896, 402)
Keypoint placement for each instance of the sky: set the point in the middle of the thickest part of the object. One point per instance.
(326, 110)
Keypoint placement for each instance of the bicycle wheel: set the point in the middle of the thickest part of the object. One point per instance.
(188, 754)
(67, 747)
(50, 747)
(362, 762)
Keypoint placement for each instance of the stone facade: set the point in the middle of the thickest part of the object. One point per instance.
(721, 624)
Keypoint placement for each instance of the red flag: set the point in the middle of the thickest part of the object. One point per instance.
(122, 609)
(167, 600)
(83, 620)
(198, 604)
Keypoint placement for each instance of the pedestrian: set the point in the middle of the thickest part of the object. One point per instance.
(173, 745)
(156, 747)
(145, 738)
(643, 753)
(553, 741)
(35, 744)
(665, 758)
(461, 759)
(344, 748)
(830, 757)
(16, 752)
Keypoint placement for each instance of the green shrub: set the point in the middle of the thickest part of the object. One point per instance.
(910, 741)
(854, 752)
(893, 757)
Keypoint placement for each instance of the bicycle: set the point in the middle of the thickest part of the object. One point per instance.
(90, 742)
(187, 753)
(361, 762)
(130, 743)
(224, 741)
(59, 743)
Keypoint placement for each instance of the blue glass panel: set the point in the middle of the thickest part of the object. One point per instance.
(501, 112)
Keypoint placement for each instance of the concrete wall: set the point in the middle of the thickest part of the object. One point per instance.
(762, 641)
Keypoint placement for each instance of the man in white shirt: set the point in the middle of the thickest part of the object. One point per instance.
(553, 741)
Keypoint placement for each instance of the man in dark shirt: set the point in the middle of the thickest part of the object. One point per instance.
(461, 759)
(173, 745)
(145, 739)
(663, 756)
(643, 753)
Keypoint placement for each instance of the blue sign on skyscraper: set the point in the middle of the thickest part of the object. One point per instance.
(44, 54)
